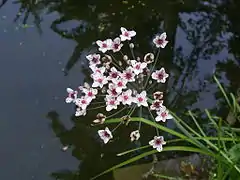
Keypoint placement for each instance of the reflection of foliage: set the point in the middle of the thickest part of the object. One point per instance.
(102, 19)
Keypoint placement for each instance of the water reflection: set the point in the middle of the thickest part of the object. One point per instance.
(204, 39)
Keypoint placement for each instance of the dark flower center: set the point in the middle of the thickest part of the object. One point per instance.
(126, 34)
(114, 75)
(140, 99)
(116, 46)
(95, 60)
(163, 114)
(120, 84)
(158, 142)
(112, 102)
(160, 76)
(100, 80)
(125, 97)
(84, 101)
(90, 93)
(160, 41)
(114, 92)
(72, 95)
(106, 134)
(138, 66)
(157, 104)
(128, 75)
(104, 45)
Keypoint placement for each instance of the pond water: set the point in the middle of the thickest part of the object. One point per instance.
(43, 49)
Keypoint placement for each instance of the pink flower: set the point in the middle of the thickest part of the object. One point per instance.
(82, 102)
(163, 115)
(160, 75)
(90, 93)
(113, 74)
(111, 103)
(135, 135)
(112, 91)
(97, 70)
(105, 135)
(160, 41)
(104, 45)
(126, 97)
(80, 112)
(157, 143)
(116, 44)
(126, 35)
(156, 105)
(128, 74)
(141, 99)
(94, 59)
(138, 66)
(72, 96)
(99, 80)
(120, 84)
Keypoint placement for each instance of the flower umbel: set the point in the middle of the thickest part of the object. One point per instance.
(120, 81)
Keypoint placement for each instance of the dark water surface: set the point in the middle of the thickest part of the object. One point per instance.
(40, 60)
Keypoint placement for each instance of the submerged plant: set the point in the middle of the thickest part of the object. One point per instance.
(123, 82)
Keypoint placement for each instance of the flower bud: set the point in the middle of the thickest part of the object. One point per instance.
(131, 45)
(125, 57)
(120, 63)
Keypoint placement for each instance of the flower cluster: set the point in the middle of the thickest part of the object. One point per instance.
(122, 82)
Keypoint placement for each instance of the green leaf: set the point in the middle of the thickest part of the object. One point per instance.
(234, 153)
(170, 148)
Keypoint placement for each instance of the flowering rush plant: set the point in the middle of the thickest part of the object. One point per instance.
(123, 82)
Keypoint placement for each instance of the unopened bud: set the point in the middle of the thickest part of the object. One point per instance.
(131, 45)
(125, 57)
(150, 82)
(104, 90)
(120, 63)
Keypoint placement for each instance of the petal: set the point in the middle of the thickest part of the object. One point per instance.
(169, 116)
(99, 43)
(143, 65)
(164, 44)
(123, 38)
(69, 90)
(159, 148)
(132, 33)
(158, 118)
(123, 29)
(151, 143)
(143, 93)
(89, 57)
(109, 42)
(163, 36)
(105, 140)
(103, 50)
(95, 84)
(101, 132)
(117, 40)
(145, 104)
(68, 100)
(109, 108)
